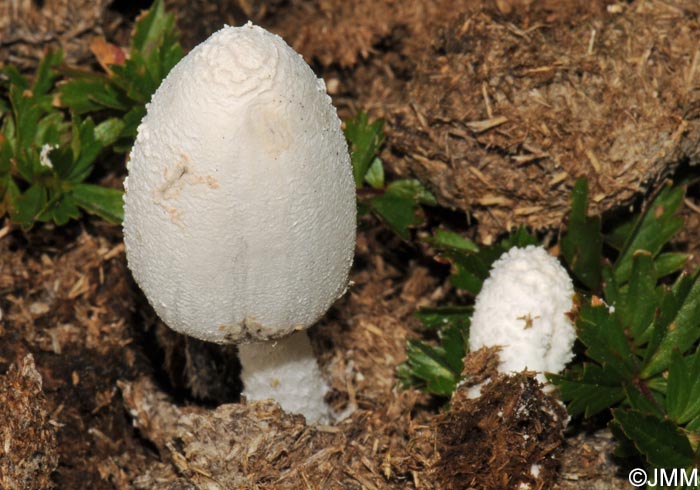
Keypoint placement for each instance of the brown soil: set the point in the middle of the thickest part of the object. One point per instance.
(103, 396)
(499, 106)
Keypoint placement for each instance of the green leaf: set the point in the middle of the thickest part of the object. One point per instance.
(678, 387)
(85, 149)
(472, 269)
(63, 210)
(620, 235)
(427, 364)
(50, 129)
(660, 441)
(605, 340)
(411, 189)
(109, 131)
(682, 332)
(92, 92)
(375, 174)
(398, 212)
(133, 78)
(589, 389)
(642, 402)
(521, 238)
(45, 74)
(105, 202)
(455, 343)
(364, 140)
(582, 245)
(683, 387)
(438, 369)
(669, 263)
(15, 77)
(132, 119)
(129, 86)
(155, 41)
(28, 206)
(443, 316)
(449, 240)
(653, 229)
(638, 306)
(26, 114)
(466, 279)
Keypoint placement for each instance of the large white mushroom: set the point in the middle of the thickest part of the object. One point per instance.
(239, 216)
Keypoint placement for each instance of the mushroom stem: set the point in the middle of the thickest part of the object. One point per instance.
(285, 370)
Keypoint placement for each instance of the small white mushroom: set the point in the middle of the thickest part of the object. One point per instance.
(522, 307)
(239, 216)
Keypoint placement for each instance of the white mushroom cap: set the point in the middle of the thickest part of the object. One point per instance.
(523, 308)
(239, 217)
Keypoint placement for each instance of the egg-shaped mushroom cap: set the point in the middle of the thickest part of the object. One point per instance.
(239, 212)
(524, 308)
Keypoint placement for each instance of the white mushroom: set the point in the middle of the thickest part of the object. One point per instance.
(239, 217)
(522, 307)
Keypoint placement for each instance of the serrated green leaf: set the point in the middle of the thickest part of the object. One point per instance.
(671, 300)
(26, 114)
(91, 93)
(620, 235)
(9, 193)
(637, 306)
(625, 448)
(683, 387)
(443, 316)
(437, 369)
(27, 161)
(15, 77)
(85, 149)
(465, 279)
(582, 245)
(63, 210)
(682, 332)
(455, 342)
(678, 387)
(605, 340)
(375, 174)
(642, 402)
(471, 270)
(653, 230)
(155, 43)
(147, 27)
(693, 426)
(131, 119)
(611, 292)
(109, 131)
(427, 364)
(45, 74)
(521, 238)
(660, 441)
(588, 389)
(61, 158)
(449, 240)
(364, 140)
(669, 263)
(105, 202)
(50, 129)
(411, 189)
(28, 206)
(398, 212)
